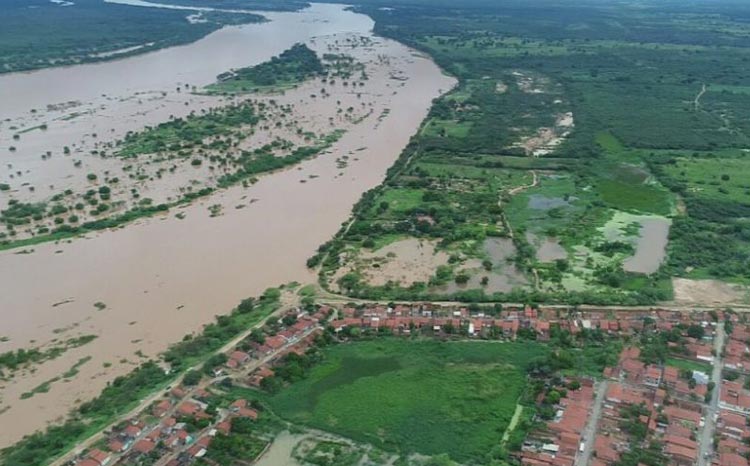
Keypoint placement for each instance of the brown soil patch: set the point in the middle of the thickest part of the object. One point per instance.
(688, 291)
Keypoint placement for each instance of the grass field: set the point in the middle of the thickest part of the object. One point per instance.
(414, 396)
(684, 364)
(723, 179)
(634, 197)
(455, 129)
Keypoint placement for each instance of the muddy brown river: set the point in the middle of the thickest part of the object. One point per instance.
(165, 277)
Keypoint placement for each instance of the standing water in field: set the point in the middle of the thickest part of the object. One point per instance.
(651, 246)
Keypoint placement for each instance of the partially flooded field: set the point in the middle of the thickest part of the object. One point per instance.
(651, 246)
(404, 261)
(647, 233)
(145, 285)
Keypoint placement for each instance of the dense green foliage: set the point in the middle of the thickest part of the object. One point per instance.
(292, 67)
(182, 135)
(659, 104)
(39, 33)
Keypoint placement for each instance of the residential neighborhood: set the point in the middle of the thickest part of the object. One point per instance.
(657, 394)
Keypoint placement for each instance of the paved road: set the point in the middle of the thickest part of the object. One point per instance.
(157, 395)
(589, 432)
(256, 363)
(705, 449)
(327, 297)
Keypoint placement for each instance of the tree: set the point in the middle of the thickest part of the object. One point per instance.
(192, 378)
(696, 331)
(553, 397)
(258, 336)
(462, 278)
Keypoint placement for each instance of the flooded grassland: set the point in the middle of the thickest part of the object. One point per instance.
(140, 287)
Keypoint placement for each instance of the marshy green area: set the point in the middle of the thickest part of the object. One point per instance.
(644, 118)
(414, 396)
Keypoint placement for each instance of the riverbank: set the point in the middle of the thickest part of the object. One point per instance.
(163, 277)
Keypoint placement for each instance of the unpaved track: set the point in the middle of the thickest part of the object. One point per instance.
(696, 102)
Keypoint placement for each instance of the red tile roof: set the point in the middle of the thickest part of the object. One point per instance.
(144, 446)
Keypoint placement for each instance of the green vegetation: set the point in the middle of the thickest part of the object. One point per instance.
(209, 135)
(182, 135)
(689, 365)
(239, 443)
(92, 30)
(645, 138)
(292, 67)
(127, 391)
(13, 361)
(45, 386)
(328, 453)
(456, 398)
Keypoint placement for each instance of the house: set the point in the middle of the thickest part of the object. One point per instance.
(161, 408)
(100, 457)
(671, 376)
(732, 424)
(732, 459)
(87, 462)
(259, 374)
(116, 446)
(605, 450)
(276, 342)
(681, 455)
(169, 422)
(132, 431)
(240, 408)
(673, 412)
(188, 408)
(144, 446)
(542, 329)
(224, 427)
(652, 376)
(734, 397)
(701, 378)
(197, 451)
(178, 392)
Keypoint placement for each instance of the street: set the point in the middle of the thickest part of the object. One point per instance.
(589, 433)
(705, 439)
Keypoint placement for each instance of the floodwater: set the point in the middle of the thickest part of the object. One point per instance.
(83, 105)
(651, 246)
(548, 249)
(280, 451)
(165, 277)
(405, 261)
(503, 277)
(539, 202)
